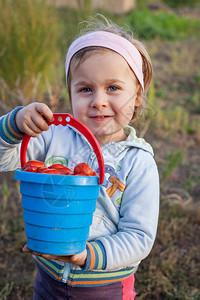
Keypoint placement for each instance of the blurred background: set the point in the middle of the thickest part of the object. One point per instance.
(34, 37)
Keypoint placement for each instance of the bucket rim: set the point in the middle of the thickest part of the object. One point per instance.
(43, 178)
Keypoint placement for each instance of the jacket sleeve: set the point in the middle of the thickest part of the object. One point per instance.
(10, 143)
(137, 225)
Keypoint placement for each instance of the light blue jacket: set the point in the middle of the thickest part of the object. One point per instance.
(126, 216)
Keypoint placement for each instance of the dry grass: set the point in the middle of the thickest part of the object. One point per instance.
(172, 270)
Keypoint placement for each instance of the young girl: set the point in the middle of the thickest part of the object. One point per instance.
(108, 74)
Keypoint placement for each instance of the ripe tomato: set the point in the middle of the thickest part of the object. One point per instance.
(83, 169)
(30, 169)
(42, 169)
(80, 174)
(53, 171)
(66, 171)
(59, 167)
(94, 174)
(34, 163)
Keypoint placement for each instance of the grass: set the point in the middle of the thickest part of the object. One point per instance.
(172, 269)
(181, 3)
(162, 25)
(172, 160)
(171, 125)
(28, 46)
(7, 289)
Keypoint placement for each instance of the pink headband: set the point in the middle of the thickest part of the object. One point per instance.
(113, 42)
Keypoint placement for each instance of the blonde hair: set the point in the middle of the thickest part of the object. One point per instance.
(101, 23)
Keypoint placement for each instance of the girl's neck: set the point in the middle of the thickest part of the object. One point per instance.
(103, 140)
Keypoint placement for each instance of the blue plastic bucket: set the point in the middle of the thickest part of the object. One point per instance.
(58, 209)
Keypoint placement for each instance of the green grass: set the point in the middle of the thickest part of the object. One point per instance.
(34, 39)
(172, 161)
(162, 25)
(181, 3)
(28, 45)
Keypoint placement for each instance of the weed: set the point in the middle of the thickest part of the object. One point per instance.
(196, 126)
(6, 290)
(150, 111)
(192, 181)
(160, 93)
(195, 102)
(197, 78)
(6, 193)
(74, 19)
(172, 161)
(171, 271)
(180, 3)
(176, 120)
(28, 45)
(166, 26)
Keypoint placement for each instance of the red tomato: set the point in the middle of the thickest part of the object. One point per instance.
(80, 174)
(42, 169)
(83, 168)
(34, 163)
(59, 167)
(54, 171)
(66, 171)
(94, 174)
(30, 169)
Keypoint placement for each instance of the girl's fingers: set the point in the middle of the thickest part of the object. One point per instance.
(34, 125)
(45, 111)
(39, 123)
(31, 130)
(63, 258)
(32, 118)
(47, 256)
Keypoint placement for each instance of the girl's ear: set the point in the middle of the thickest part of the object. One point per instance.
(138, 99)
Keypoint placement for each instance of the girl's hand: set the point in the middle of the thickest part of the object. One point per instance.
(32, 118)
(77, 259)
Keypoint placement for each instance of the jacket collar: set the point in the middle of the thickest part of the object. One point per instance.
(131, 141)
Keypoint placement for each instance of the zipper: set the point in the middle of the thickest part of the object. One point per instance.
(91, 159)
(67, 268)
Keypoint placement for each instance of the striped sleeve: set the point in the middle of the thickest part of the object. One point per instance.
(96, 256)
(8, 129)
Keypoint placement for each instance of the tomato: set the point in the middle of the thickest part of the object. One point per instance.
(80, 174)
(34, 163)
(83, 169)
(30, 169)
(94, 174)
(42, 169)
(57, 166)
(53, 171)
(65, 169)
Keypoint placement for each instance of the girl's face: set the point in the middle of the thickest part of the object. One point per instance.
(103, 95)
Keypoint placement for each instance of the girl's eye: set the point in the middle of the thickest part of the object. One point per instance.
(113, 88)
(85, 90)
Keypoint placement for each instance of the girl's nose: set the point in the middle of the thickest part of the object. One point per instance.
(99, 100)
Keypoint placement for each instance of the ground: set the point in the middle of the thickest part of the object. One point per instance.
(172, 269)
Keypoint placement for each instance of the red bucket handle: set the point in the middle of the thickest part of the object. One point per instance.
(65, 119)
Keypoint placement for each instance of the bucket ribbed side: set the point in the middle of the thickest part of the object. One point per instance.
(58, 211)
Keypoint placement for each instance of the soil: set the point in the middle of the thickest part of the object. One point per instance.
(176, 73)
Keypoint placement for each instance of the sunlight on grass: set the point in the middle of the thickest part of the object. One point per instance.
(28, 45)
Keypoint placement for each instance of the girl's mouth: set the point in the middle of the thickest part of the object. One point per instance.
(100, 118)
